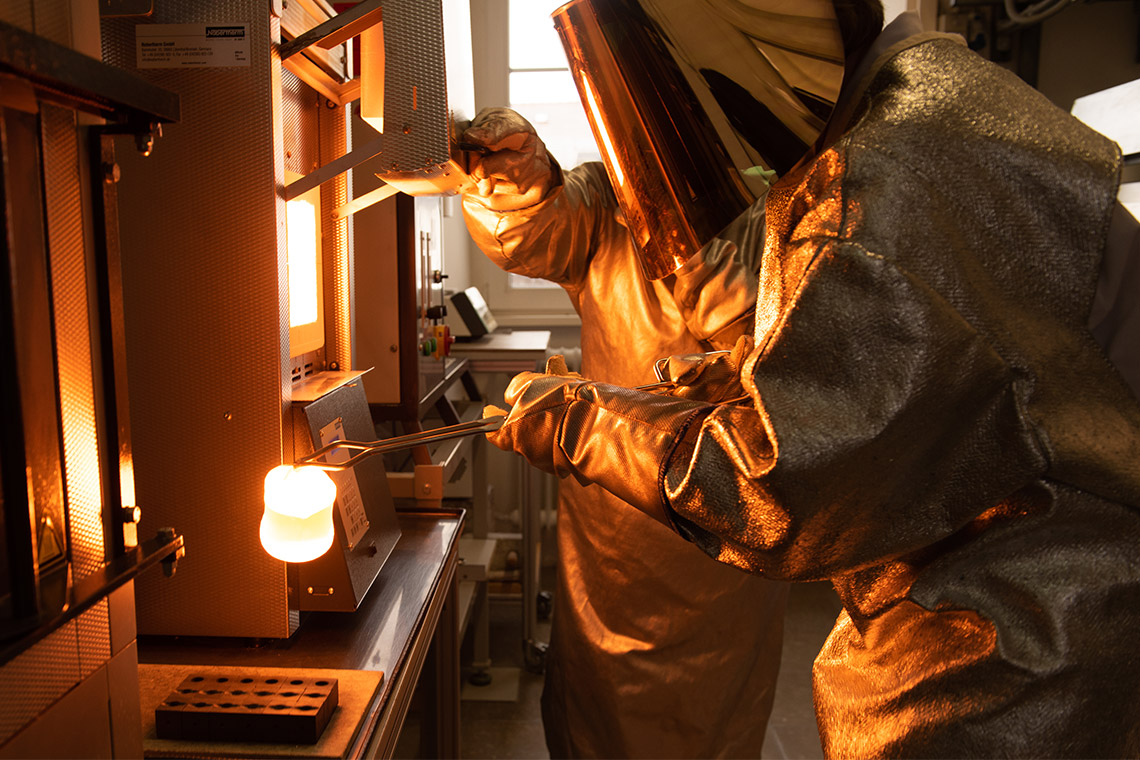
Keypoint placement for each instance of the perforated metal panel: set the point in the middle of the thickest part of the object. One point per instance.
(36, 678)
(61, 674)
(53, 20)
(315, 134)
(64, 211)
(337, 248)
(299, 123)
(202, 230)
(17, 13)
(416, 117)
(93, 629)
(41, 675)
(417, 121)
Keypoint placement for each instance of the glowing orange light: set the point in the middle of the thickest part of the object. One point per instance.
(297, 525)
(372, 76)
(601, 127)
(303, 239)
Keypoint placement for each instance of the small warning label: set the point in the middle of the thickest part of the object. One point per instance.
(174, 46)
(349, 502)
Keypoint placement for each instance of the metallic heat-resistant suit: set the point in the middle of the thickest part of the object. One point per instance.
(655, 651)
(931, 425)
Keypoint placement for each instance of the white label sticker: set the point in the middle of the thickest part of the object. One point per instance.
(348, 499)
(175, 46)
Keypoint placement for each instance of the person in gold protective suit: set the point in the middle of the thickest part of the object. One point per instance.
(930, 425)
(655, 650)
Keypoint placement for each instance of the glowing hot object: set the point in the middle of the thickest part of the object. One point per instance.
(297, 525)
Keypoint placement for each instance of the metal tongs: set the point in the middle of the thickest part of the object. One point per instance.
(661, 370)
(398, 443)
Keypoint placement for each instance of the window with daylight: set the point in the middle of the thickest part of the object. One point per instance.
(520, 63)
(542, 90)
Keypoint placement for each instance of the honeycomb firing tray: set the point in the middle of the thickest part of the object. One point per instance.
(208, 706)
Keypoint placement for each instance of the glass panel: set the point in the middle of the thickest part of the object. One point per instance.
(564, 129)
(547, 99)
(543, 87)
(306, 283)
(533, 42)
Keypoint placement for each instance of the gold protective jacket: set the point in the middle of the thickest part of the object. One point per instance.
(935, 430)
(932, 426)
(655, 650)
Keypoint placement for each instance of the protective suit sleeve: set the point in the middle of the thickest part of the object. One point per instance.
(599, 433)
(712, 377)
(526, 214)
(715, 290)
(881, 423)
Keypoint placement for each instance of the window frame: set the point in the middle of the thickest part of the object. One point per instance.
(512, 306)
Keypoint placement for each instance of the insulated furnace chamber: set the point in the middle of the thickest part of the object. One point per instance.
(225, 377)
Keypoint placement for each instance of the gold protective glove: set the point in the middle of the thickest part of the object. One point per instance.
(713, 377)
(508, 161)
(615, 437)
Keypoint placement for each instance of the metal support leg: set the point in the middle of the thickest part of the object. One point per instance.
(439, 735)
(531, 560)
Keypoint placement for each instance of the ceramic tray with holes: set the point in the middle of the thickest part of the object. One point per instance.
(228, 707)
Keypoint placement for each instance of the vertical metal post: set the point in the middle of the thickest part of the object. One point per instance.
(116, 458)
(534, 650)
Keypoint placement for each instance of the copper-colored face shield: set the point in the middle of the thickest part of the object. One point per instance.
(697, 105)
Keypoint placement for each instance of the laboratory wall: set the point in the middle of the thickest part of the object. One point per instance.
(1087, 48)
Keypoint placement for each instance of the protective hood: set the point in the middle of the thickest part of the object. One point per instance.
(698, 105)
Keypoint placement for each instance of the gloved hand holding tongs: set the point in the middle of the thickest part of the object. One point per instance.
(565, 424)
(713, 377)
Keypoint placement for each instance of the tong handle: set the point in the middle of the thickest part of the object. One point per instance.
(398, 443)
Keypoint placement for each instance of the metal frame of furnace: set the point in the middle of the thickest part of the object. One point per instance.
(206, 293)
(68, 658)
(205, 288)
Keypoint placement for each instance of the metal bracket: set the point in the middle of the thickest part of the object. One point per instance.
(62, 75)
(166, 548)
(333, 168)
(425, 485)
(337, 29)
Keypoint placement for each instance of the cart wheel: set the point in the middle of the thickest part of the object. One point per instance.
(535, 656)
(545, 605)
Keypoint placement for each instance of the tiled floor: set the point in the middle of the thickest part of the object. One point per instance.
(792, 733)
(504, 730)
(514, 729)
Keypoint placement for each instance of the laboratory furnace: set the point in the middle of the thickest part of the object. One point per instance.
(249, 200)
